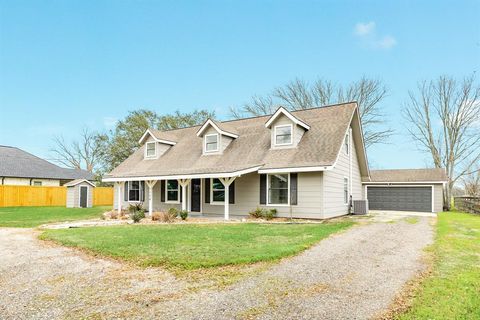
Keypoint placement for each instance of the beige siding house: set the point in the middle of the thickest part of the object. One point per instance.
(306, 164)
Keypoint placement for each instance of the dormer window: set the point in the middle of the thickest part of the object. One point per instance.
(151, 149)
(211, 142)
(283, 135)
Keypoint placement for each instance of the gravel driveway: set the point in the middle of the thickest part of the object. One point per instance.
(350, 275)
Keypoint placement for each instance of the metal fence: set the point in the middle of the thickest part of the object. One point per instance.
(468, 204)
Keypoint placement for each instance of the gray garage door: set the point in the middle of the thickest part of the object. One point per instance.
(400, 198)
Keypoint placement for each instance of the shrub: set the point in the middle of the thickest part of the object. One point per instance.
(135, 207)
(157, 216)
(270, 214)
(257, 213)
(137, 216)
(113, 214)
(184, 214)
(173, 212)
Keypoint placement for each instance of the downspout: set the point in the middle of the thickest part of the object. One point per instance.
(350, 152)
(31, 179)
(3, 180)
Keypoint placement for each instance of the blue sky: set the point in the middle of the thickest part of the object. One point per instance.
(65, 65)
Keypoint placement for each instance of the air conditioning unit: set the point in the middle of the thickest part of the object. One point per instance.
(360, 206)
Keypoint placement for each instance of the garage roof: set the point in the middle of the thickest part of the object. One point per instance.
(408, 175)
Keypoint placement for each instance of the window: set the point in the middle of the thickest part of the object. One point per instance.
(283, 135)
(347, 143)
(151, 150)
(172, 191)
(133, 190)
(211, 142)
(218, 191)
(278, 189)
(37, 183)
(345, 190)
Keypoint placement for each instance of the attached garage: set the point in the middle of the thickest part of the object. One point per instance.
(400, 198)
(419, 190)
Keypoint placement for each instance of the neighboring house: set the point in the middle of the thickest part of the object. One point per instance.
(18, 167)
(306, 164)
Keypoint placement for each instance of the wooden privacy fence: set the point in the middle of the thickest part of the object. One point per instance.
(23, 196)
(468, 204)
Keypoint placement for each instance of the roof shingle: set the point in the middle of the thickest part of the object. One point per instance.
(409, 175)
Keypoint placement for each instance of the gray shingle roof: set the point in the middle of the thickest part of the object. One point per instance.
(319, 146)
(15, 162)
(409, 175)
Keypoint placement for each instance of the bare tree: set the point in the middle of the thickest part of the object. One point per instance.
(471, 183)
(444, 115)
(79, 154)
(299, 94)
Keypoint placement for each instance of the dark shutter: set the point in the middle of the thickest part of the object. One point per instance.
(207, 190)
(125, 191)
(142, 191)
(263, 189)
(162, 190)
(293, 188)
(231, 193)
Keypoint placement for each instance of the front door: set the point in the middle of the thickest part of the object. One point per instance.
(83, 196)
(196, 195)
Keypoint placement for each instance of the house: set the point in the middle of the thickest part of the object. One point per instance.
(18, 167)
(306, 164)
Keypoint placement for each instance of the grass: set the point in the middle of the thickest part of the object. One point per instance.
(29, 217)
(196, 246)
(452, 291)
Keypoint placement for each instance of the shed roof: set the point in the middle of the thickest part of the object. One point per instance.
(78, 181)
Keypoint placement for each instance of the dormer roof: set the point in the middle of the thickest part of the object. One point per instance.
(221, 128)
(285, 112)
(159, 136)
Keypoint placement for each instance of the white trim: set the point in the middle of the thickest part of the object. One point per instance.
(155, 150)
(288, 115)
(409, 182)
(405, 185)
(216, 203)
(268, 204)
(186, 176)
(205, 143)
(210, 122)
(139, 191)
(166, 192)
(80, 197)
(275, 135)
(296, 169)
(155, 138)
(71, 184)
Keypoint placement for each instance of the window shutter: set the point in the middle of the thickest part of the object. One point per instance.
(207, 190)
(125, 191)
(293, 188)
(162, 190)
(231, 193)
(142, 191)
(263, 189)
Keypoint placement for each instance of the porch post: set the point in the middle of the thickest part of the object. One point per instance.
(184, 184)
(150, 184)
(119, 197)
(226, 183)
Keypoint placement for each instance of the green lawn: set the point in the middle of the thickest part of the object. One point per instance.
(28, 217)
(196, 246)
(453, 290)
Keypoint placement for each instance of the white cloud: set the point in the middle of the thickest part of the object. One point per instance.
(367, 33)
(363, 29)
(109, 122)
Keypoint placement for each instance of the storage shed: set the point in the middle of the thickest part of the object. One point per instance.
(79, 193)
